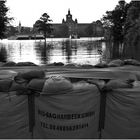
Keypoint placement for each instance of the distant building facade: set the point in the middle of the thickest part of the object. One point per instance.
(67, 28)
(70, 27)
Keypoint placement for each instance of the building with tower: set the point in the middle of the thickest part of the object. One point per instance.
(71, 28)
(68, 28)
(71, 24)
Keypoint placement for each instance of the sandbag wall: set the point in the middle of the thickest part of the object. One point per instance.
(65, 109)
(16, 118)
(14, 122)
(57, 107)
(122, 117)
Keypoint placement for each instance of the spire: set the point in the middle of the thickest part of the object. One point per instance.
(76, 21)
(19, 23)
(19, 27)
(63, 21)
(68, 16)
(69, 11)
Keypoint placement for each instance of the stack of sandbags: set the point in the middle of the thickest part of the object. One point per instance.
(11, 64)
(65, 109)
(14, 122)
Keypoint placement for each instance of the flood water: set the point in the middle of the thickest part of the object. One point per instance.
(79, 51)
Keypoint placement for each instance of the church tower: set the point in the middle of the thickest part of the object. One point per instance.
(71, 24)
(19, 27)
(69, 17)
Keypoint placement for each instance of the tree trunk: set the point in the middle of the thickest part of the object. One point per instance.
(45, 37)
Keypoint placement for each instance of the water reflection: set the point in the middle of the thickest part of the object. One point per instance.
(3, 54)
(43, 51)
(69, 49)
(80, 51)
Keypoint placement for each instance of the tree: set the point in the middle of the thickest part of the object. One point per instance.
(11, 31)
(132, 26)
(4, 19)
(43, 25)
(114, 21)
(132, 29)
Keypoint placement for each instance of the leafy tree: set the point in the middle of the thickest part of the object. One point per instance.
(114, 21)
(43, 25)
(4, 19)
(132, 28)
(11, 31)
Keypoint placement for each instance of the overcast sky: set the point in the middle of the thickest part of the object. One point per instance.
(86, 11)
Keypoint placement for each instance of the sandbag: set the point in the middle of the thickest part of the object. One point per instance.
(14, 122)
(36, 84)
(101, 65)
(70, 114)
(118, 83)
(99, 83)
(71, 65)
(57, 85)
(131, 62)
(122, 118)
(10, 63)
(25, 64)
(87, 66)
(116, 63)
(56, 64)
(29, 75)
(7, 74)
(8, 85)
